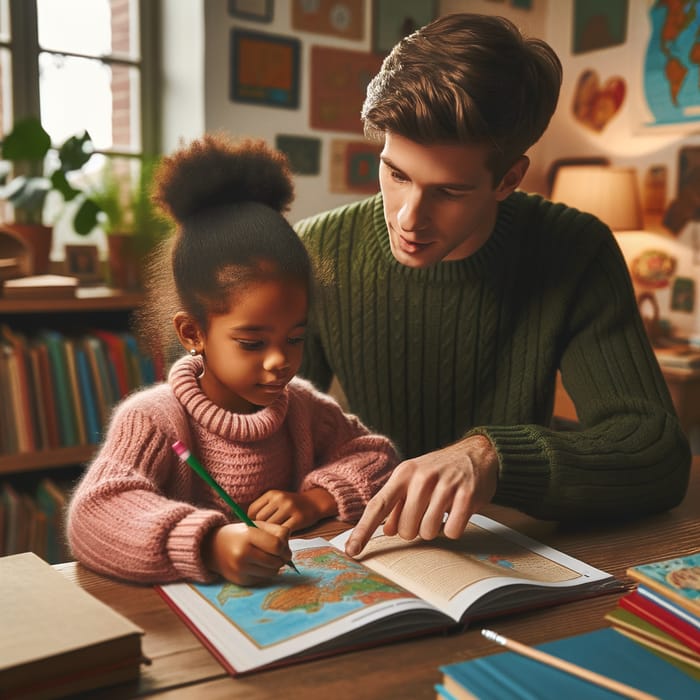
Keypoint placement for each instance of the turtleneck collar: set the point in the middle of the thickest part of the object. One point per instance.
(232, 426)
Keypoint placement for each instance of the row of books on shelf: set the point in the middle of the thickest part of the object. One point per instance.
(62, 386)
(652, 648)
(34, 521)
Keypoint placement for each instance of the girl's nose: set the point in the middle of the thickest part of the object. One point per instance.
(275, 360)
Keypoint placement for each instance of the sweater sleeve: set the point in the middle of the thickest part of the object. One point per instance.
(337, 452)
(630, 456)
(129, 516)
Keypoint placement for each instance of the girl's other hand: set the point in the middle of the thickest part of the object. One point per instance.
(293, 510)
(247, 555)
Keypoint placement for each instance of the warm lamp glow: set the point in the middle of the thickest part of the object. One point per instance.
(611, 194)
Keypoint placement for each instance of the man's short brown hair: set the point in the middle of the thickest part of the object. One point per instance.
(467, 78)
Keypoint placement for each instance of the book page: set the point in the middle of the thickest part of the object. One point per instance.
(332, 597)
(454, 574)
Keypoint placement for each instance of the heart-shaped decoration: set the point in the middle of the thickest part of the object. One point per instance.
(594, 106)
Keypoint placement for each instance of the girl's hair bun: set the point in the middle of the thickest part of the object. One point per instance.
(215, 171)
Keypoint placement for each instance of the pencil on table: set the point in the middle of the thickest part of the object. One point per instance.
(568, 667)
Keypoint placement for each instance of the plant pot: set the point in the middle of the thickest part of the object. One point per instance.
(124, 262)
(34, 246)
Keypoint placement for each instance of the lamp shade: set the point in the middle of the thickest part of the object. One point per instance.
(611, 194)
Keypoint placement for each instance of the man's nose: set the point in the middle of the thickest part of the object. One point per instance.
(413, 215)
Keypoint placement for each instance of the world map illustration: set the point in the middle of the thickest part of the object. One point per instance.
(331, 586)
(672, 62)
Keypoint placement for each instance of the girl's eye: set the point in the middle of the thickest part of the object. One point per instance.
(296, 340)
(250, 345)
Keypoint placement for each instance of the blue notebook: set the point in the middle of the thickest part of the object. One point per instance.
(510, 676)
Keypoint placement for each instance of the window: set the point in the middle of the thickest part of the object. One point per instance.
(83, 65)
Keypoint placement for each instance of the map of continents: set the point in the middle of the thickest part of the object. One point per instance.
(672, 65)
(332, 586)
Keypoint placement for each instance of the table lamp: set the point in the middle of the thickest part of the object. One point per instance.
(610, 193)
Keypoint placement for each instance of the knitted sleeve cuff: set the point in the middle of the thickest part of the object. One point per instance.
(348, 498)
(523, 464)
(185, 543)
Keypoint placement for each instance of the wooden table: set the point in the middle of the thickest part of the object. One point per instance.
(181, 668)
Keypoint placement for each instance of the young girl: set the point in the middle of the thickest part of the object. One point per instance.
(286, 453)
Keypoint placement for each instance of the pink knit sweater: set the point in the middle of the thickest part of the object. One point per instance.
(140, 514)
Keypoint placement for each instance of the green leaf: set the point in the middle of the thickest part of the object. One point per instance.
(75, 152)
(86, 217)
(28, 140)
(60, 183)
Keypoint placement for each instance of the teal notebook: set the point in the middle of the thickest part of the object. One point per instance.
(510, 676)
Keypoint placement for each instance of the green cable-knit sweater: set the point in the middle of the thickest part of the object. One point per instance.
(427, 356)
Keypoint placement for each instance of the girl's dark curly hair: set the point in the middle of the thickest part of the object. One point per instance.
(227, 199)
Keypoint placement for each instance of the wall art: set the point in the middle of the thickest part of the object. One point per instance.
(303, 153)
(343, 18)
(395, 19)
(256, 10)
(354, 166)
(264, 69)
(339, 80)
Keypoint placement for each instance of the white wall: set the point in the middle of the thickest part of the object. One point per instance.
(312, 191)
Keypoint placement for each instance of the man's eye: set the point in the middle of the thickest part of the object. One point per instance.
(250, 344)
(399, 177)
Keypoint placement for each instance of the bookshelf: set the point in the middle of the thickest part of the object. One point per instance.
(92, 307)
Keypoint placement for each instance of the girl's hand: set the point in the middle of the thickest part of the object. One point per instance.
(293, 510)
(247, 555)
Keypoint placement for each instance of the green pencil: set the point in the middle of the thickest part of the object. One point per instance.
(186, 456)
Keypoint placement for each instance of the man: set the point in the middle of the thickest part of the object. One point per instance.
(448, 302)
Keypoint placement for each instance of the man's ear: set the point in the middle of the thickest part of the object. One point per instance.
(513, 177)
(188, 332)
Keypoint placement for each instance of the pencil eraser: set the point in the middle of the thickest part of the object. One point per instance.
(179, 448)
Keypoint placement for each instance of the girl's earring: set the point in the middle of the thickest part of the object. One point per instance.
(193, 352)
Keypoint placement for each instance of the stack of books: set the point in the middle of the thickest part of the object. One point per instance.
(663, 612)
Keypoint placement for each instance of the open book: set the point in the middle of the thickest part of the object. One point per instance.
(395, 590)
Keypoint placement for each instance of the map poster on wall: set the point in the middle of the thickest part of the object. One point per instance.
(672, 65)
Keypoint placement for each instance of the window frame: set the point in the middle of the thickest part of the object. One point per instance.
(24, 48)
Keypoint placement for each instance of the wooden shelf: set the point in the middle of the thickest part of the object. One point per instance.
(46, 459)
(86, 299)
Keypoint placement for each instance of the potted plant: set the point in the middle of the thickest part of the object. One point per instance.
(129, 219)
(23, 151)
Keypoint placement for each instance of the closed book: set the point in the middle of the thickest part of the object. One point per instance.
(39, 405)
(52, 500)
(677, 579)
(12, 505)
(507, 675)
(40, 287)
(59, 371)
(97, 360)
(88, 394)
(69, 347)
(645, 632)
(116, 351)
(20, 387)
(662, 618)
(48, 394)
(56, 639)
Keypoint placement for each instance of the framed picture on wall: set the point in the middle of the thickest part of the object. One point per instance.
(354, 166)
(257, 10)
(339, 80)
(303, 153)
(83, 262)
(343, 18)
(395, 19)
(264, 69)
